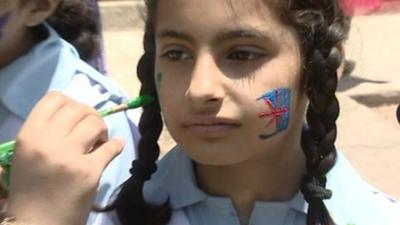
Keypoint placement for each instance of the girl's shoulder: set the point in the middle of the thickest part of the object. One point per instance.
(71, 69)
(54, 65)
(79, 80)
(354, 201)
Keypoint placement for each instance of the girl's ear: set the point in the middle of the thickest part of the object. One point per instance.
(39, 10)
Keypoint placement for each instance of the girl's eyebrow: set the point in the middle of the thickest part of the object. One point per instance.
(247, 33)
(223, 35)
(173, 34)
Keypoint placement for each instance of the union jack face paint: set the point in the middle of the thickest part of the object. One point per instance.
(278, 102)
(3, 22)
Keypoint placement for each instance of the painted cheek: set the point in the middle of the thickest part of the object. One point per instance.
(159, 77)
(3, 22)
(278, 103)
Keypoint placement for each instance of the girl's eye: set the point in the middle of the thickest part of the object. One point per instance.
(245, 55)
(176, 55)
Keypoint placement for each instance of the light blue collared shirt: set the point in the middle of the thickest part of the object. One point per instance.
(54, 64)
(354, 202)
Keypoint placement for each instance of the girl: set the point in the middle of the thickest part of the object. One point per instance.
(34, 59)
(234, 80)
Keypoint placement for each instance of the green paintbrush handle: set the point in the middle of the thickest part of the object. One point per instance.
(6, 149)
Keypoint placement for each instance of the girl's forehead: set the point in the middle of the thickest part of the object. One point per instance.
(211, 13)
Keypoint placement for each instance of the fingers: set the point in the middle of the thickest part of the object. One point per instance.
(58, 119)
(53, 158)
(69, 116)
(58, 112)
(45, 109)
(89, 132)
(103, 155)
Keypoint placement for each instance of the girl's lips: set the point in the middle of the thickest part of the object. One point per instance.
(210, 127)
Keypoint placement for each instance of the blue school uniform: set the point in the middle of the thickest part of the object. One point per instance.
(54, 64)
(354, 202)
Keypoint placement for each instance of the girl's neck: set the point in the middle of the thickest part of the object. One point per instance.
(260, 179)
(17, 47)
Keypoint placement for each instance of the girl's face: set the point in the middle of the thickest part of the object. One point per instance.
(14, 36)
(17, 17)
(228, 77)
(12, 21)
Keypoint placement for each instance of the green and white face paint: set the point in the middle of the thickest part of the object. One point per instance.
(158, 80)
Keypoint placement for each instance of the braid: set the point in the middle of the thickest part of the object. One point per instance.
(318, 141)
(130, 205)
(322, 27)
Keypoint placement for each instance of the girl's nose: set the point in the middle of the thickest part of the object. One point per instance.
(205, 91)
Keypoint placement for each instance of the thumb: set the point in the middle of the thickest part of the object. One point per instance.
(103, 155)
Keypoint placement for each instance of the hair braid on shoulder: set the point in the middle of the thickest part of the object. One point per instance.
(130, 205)
(319, 148)
(322, 27)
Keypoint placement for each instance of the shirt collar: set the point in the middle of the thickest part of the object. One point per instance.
(175, 182)
(352, 196)
(27, 79)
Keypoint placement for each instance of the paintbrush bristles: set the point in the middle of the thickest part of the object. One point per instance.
(116, 109)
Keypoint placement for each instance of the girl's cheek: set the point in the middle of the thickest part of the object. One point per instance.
(158, 80)
(277, 113)
(4, 19)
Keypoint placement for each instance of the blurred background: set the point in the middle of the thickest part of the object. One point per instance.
(369, 134)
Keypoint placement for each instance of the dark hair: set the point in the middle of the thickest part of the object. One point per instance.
(321, 26)
(74, 22)
(398, 114)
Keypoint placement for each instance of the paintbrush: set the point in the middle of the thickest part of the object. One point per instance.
(7, 148)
